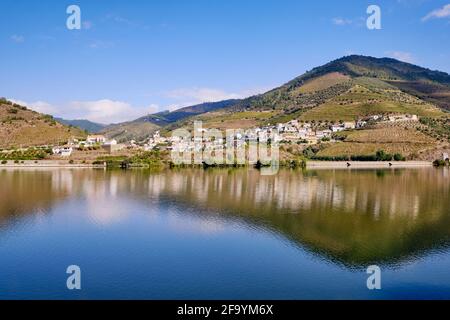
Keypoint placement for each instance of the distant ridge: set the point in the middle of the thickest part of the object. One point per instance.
(87, 125)
(144, 126)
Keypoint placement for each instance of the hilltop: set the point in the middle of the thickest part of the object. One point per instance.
(22, 127)
(344, 89)
(359, 83)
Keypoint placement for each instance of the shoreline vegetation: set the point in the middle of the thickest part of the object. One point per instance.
(161, 159)
(311, 164)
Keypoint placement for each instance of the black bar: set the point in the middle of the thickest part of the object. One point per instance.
(226, 309)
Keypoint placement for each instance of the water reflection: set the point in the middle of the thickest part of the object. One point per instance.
(350, 217)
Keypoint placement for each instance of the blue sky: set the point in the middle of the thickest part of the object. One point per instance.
(135, 57)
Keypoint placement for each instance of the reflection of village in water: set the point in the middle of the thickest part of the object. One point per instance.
(353, 217)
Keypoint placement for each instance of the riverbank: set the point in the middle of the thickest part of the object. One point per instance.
(49, 164)
(366, 164)
(309, 164)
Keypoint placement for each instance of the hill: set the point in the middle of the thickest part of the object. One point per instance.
(348, 89)
(133, 130)
(385, 76)
(82, 124)
(344, 89)
(21, 127)
(141, 128)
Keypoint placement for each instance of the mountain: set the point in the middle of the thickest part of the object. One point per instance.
(133, 130)
(346, 89)
(141, 128)
(337, 77)
(167, 117)
(22, 127)
(87, 125)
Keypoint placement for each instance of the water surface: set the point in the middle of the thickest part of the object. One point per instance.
(225, 234)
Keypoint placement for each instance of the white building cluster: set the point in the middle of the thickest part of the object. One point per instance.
(292, 131)
(91, 141)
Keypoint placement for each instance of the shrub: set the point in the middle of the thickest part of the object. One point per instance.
(439, 163)
(381, 155)
(4, 161)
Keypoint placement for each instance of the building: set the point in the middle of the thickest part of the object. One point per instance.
(290, 136)
(349, 125)
(112, 147)
(361, 124)
(95, 139)
(111, 142)
(320, 134)
(337, 127)
(62, 151)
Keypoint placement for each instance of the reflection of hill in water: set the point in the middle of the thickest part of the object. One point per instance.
(30, 191)
(351, 217)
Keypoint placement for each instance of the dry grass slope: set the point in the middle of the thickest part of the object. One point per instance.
(21, 127)
(360, 102)
(322, 83)
(408, 142)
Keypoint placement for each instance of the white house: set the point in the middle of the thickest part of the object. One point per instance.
(337, 128)
(361, 123)
(94, 139)
(111, 142)
(63, 151)
(349, 125)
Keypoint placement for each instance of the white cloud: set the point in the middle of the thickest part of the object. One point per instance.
(110, 111)
(341, 21)
(102, 111)
(402, 56)
(107, 111)
(444, 12)
(17, 38)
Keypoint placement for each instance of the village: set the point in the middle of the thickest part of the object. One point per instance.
(294, 131)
